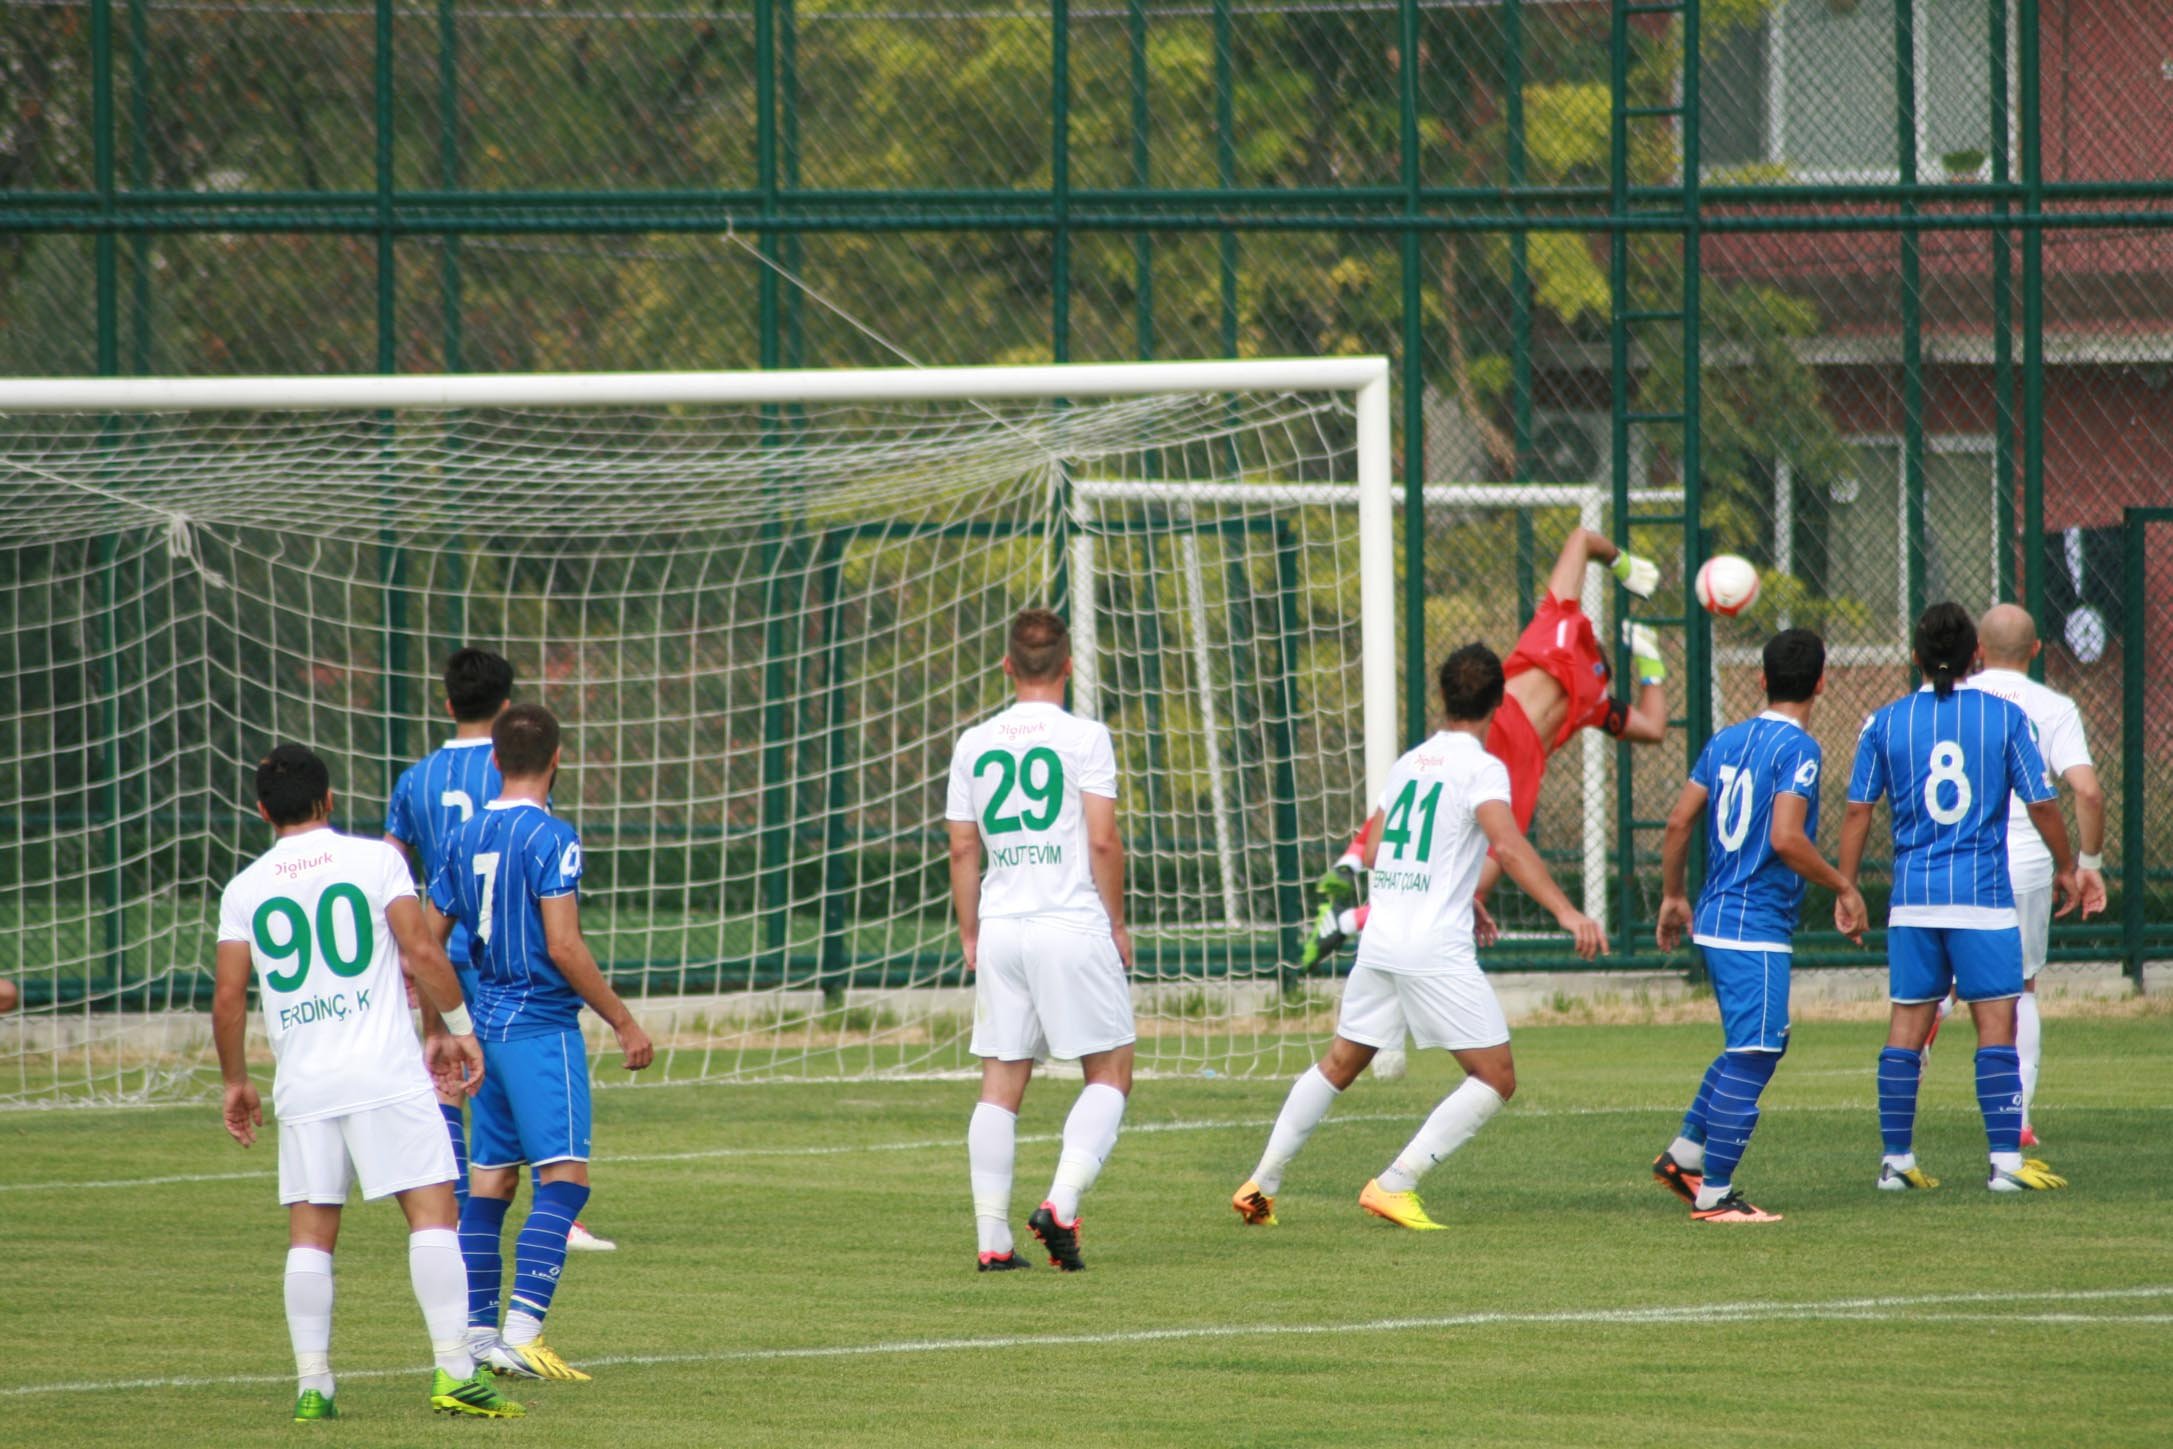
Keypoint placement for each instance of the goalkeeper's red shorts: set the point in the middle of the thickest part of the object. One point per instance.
(1512, 740)
(1559, 643)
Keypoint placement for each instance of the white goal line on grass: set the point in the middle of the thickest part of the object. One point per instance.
(1882, 1309)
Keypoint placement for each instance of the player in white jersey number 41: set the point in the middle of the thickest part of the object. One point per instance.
(322, 921)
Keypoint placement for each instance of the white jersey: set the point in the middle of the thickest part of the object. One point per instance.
(1426, 866)
(2056, 724)
(312, 912)
(1020, 776)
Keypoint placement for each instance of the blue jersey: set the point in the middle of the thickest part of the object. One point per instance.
(1949, 765)
(1751, 898)
(498, 870)
(435, 797)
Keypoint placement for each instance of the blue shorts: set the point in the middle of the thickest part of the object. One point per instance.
(1752, 989)
(1923, 961)
(534, 1102)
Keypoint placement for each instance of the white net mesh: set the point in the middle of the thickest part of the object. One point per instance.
(762, 628)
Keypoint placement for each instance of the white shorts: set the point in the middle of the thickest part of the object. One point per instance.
(391, 1148)
(1453, 1010)
(2033, 909)
(1043, 990)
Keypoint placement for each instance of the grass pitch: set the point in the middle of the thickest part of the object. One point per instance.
(796, 1269)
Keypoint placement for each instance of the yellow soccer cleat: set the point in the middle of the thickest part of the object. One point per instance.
(1401, 1208)
(2034, 1176)
(1255, 1207)
(1910, 1179)
(544, 1359)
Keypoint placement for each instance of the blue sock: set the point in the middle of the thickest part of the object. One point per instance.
(458, 1131)
(1694, 1120)
(1899, 1073)
(540, 1251)
(482, 1226)
(1999, 1096)
(1733, 1112)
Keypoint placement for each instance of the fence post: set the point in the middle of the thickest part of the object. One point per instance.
(2134, 877)
(2033, 331)
(1912, 313)
(1414, 383)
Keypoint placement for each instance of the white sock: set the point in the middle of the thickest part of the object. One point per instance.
(992, 1136)
(1090, 1135)
(1461, 1113)
(440, 1277)
(2029, 1040)
(1900, 1162)
(1688, 1155)
(1711, 1194)
(1310, 1098)
(2006, 1162)
(521, 1327)
(309, 1318)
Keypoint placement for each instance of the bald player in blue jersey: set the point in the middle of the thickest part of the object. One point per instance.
(435, 797)
(1947, 761)
(511, 876)
(1762, 777)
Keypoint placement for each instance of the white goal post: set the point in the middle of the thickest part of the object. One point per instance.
(763, 602)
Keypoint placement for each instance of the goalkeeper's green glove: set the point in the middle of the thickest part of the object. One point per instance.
(1639, 575)
(1339, 887)
(1646, 665)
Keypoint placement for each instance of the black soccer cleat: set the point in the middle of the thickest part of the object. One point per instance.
(1676, 1178)
(1062, 1242)
(1003, 1263)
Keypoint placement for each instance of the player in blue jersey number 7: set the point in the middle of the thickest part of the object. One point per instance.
(1762, 777)
(1947, 760)
(510, 875)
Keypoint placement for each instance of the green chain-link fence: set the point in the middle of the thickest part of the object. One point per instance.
(1877, 292)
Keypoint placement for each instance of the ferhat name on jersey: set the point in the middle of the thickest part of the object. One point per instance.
(288, 869)
(322, 1008)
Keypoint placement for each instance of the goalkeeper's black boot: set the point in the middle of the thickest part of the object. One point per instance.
(1003, 1263)
(1327, 938)
(1061, 1240)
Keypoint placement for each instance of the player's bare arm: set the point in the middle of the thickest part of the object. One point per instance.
(1522, 864)
(230, 974)
(9, 995)
(1855, 834)
(571, 955)
(2045, 815)
(966, 885)
(455, 1058)
(1105, 858)
(1682, 823)
(2090, 827)
(1793, 847)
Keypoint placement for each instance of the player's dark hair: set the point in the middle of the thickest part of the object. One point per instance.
(476, 683)
(1946, 641)
(291, 784)
(1040, 645)
(1471, 683)
(524, 738)
(1795, 661)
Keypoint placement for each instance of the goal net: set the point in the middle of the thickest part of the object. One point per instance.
(762, 605)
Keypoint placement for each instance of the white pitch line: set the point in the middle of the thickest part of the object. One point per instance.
(1886, 1309)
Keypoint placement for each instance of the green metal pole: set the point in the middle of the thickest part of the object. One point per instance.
(1283, 767)
(1520, 261)
(774, 854)
(794, 351)
(1225, 177)
(2003, 341)
(1698, 638)
(392, 560)
(1142, 242)
(139, 179)
(2033, 332)
(453, 311)
(104, 260)
(1413, 382)
(106, 264)
(837, 763)
(2134, 879)
(1618, 339)
(1912, 310)
(1060, 177)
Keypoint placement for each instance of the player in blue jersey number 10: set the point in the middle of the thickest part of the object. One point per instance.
(1947, 760)
(1762, 777)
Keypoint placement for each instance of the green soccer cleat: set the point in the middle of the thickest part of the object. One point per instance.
(474, 1397)
(1327, 938)
(312, 1406)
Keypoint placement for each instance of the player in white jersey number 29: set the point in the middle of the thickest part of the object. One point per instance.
(322, 921)
(1044, 935)
(1446, 803)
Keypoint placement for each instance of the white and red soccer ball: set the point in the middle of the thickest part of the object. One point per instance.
(1727, 584)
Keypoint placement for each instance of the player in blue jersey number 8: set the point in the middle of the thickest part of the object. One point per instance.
(1947, 760)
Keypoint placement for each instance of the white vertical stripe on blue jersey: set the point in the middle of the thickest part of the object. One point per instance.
(1750, 895)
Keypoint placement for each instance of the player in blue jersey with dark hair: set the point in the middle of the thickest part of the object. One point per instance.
(1947, 760)
(436, 796)
(510, 875)
(1761, 777)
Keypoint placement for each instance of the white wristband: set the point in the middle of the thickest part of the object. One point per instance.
(458, 1022)
(2087, 861)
